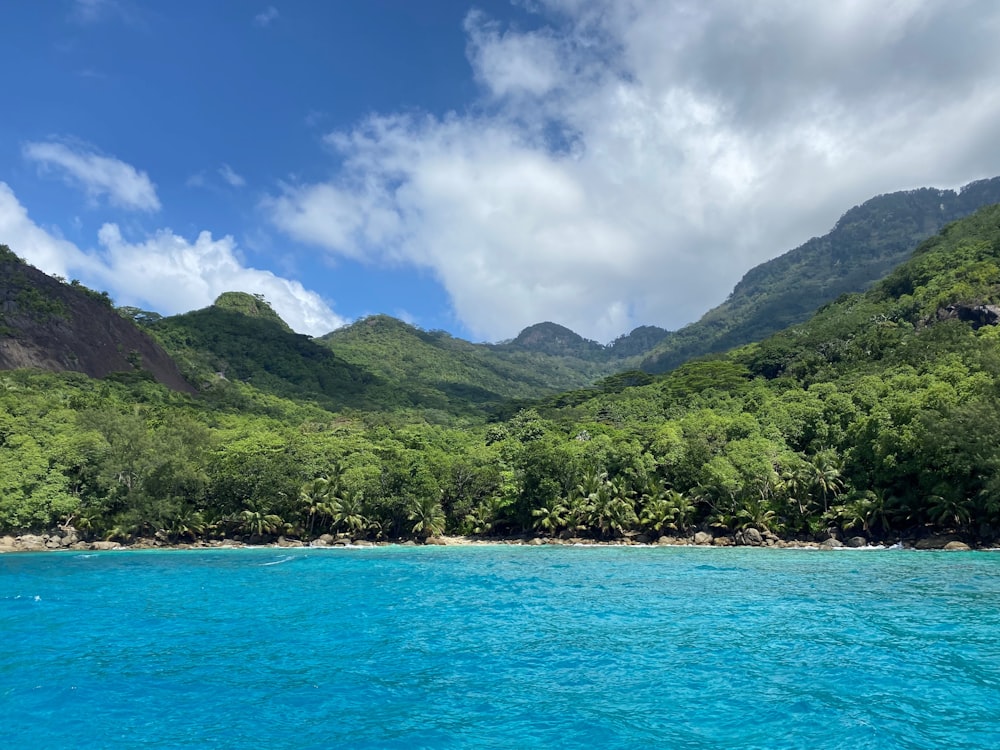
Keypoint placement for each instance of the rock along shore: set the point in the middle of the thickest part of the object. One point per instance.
(69, 539)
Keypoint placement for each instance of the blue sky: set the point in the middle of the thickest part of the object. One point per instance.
(475, 167)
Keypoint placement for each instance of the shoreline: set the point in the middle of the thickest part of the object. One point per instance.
(54, 542)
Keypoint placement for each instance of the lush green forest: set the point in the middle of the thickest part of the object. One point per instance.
(876, 417)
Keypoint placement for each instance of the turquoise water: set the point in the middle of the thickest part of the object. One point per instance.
(517, 647)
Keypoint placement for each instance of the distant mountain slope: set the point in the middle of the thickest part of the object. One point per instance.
(555, 340)
(929, 308)
(866, 243)
(49, 325)
(445, 370)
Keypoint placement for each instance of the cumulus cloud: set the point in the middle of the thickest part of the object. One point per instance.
(164, 271)
(39, 247)
(99, 176)
(631, 159)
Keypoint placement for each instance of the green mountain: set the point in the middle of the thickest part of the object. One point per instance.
(250, 305)
(866, 243)
(438, 371)
(241, 338)
(554, 340)
(378, 364)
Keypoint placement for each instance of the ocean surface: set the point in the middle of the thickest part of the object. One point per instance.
(500, 647)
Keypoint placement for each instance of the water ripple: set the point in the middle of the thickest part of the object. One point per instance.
(493, 647)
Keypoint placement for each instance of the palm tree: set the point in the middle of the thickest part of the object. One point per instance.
(796, 484)
(753, 511)
(484, 516)
(946, 509)
(613, 512)
(257, 521)
(682, 508)
(427, 516)
(590, 483)
(312, 496)
(348, 512)
(825, 476)
(657, 514)
(551, 517)
(187, 523)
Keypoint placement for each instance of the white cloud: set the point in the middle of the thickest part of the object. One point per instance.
(173, 275)
(266, 17)
(164, 272)
(512, 63)
(100, 176)
(631, 159)
(233, 179)
(39, 247)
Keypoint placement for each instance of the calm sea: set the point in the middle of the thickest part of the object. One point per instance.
(500, 647)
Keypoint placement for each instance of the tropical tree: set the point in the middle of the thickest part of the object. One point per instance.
(257, 520)
(683, 510)
(657, 515)
(188, 523)
(753, 511)
(797, 482)
(312, 497)
(664, 508)
(825, 476)
(486, 515)
(613, 512)
(551, 517)
(949, 510)
(348, 512)
(427, 516)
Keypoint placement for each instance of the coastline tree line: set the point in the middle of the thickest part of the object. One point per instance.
(878, 417)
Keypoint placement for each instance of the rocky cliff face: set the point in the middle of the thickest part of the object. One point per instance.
(50, 325)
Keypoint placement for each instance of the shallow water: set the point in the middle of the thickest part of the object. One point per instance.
(501, 647)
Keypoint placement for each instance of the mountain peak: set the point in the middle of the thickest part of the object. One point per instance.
(251, 305)
(552, 338)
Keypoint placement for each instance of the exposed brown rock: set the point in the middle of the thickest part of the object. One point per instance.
(937, 541)
(46, 324)
(956, 546)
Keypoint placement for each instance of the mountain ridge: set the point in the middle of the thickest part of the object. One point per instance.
(865, 244)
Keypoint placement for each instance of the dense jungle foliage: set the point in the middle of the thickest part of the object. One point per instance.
(878, 416)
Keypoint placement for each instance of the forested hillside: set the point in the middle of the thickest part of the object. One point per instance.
(867, 242)
(874, 418)
(451, 374)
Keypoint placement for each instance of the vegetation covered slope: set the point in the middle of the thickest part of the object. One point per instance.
(866, 243)
(446, 372)
(241, 338)
(877, 417)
